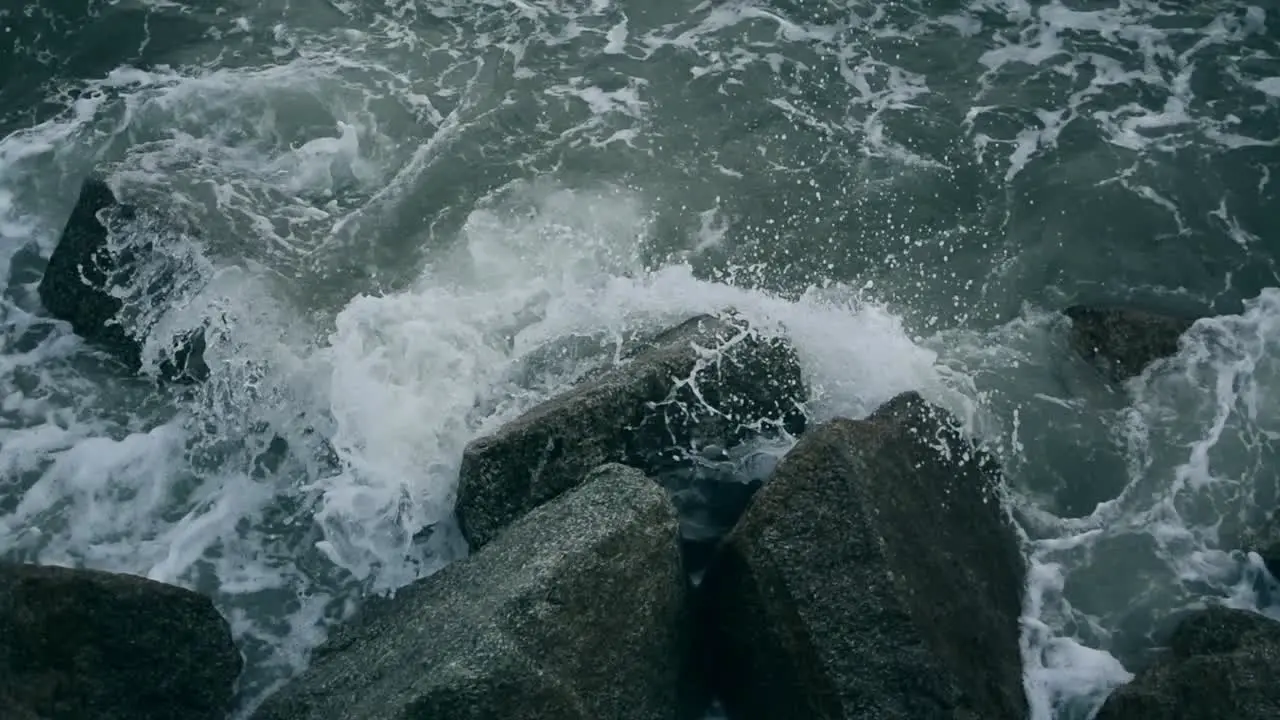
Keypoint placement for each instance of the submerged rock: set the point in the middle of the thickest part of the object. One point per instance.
(1122, 342)
(83, 273)
(1221, 664)
(1265, 541)
(876, 575)
(677, 394)
(87, 644)
(578, 611)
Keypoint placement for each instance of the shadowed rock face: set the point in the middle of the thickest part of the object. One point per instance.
(671, 397)
(1124, 341)
(876, 575)
(82, 273)
(578, 611)
(1221, 664)
(85, 644)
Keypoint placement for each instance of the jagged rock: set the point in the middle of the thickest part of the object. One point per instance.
(578, 611)
(1221, 663)
(638, 413)
(876, 575)
(87, 644)
(84, 270)
(1124, 341)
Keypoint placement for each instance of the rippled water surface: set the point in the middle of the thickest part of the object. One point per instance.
(390, 212)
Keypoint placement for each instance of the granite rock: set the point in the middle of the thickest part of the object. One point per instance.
(1122, 341)
(1221, 663)
(78, 644)
(707, 381)
(579, 611)
(876, 575)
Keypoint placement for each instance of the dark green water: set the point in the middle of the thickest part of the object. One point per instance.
(393, 208)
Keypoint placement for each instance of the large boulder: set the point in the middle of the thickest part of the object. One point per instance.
(1123, 341)
(708, 381)
(876, 575)
(85, 273)
(1221, 663)
(578, 611)
(87, 644)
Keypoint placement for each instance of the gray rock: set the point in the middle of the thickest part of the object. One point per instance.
(86, 644)
(876, 575)
(1122, 342)
(643, 414)
(83, 272)
(578, 611)
(1221, 664)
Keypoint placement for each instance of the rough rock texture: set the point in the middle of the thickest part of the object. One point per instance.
(635, 414)
(875, 576)
(1266, 542)
(578, 611)
(1123, 341)
(82, 272)
(78, 644)
(1221, 664)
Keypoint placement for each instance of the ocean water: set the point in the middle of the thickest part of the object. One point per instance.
(406, 221)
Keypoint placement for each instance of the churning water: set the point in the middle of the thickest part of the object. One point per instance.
(406, 221)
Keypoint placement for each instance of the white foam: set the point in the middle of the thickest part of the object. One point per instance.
(617, 36)
(410, 370)
(1054, 39)
(319, 165)
(114, 489)
(1197, 422)
(1030, 140)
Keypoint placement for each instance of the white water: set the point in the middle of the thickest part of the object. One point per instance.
(344, 313)
(1194, 439)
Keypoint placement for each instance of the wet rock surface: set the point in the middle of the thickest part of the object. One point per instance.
(876, 575)
(1123, 341)
(708, 381)
(579, 610)
(1221, 663)
(80, 282)
(78, 644)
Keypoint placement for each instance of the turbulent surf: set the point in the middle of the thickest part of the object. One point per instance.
(394, 216)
